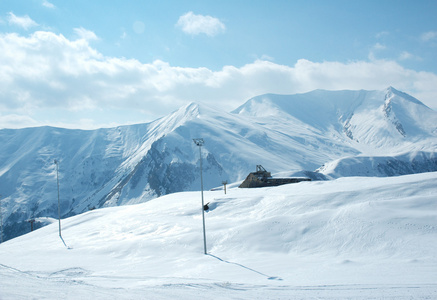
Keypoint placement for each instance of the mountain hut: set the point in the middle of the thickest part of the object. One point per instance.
(262, 178)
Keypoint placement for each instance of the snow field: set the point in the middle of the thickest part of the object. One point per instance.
(353, 237)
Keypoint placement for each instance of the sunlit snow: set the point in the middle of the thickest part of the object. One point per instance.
(354, 237)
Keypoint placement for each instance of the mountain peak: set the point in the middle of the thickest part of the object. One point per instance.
(192, 108)
(391, 91)
(390, 88)
(177, 118)
(188, 111)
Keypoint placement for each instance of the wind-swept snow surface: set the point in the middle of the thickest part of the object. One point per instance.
(354, 237)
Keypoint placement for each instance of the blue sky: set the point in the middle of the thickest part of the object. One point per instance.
(89, 64)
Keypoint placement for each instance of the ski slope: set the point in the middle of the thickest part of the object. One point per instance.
(352, 237)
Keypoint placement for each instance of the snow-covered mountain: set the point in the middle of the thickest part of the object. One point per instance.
(374, 122)
(132, 164)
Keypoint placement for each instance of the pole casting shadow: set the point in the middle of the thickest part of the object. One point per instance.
(247, 268)
(62, 239)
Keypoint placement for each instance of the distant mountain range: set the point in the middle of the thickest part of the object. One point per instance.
(321, 134)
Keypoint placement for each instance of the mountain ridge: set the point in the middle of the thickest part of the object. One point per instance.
(363, 116)
(135, 163)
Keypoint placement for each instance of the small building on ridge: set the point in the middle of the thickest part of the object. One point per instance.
(262, 178)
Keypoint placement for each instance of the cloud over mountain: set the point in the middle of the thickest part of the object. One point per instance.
(47, 71)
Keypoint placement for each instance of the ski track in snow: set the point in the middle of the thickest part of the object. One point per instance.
(77, 283)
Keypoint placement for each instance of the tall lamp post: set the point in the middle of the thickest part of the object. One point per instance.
(59, 201)
(200, 142)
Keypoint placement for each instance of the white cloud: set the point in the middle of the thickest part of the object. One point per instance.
(267, 57)
(197, 24)
(428, 36)
(405, 55)
(85, 34)
(375, 49)
(48, 4)
(25, 22)
(17, 121)
(46, 71)
(379, 46)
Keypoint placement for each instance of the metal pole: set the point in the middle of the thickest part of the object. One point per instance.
(224, 184)
(199, 142)
(203, 205)
(59, 201)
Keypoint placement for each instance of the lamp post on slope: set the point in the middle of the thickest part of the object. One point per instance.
(59, 201)
(200, 142)
(225, 182)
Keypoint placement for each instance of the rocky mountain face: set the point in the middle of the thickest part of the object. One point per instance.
(348, 133)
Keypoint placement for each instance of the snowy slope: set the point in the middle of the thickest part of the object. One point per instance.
(133, 164)
(349, 238)
(381, 166)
